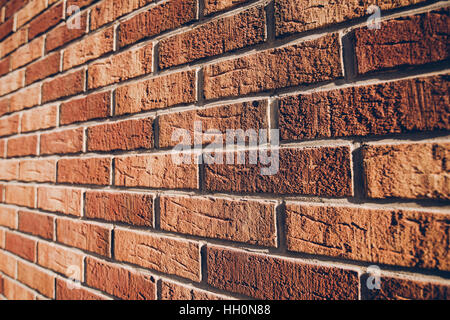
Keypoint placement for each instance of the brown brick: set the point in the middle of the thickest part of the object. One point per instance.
(9, 169)
(5, 65)
(29, 11)
(19, 245)
(62, 142)
(266, 277)
(299, 64)
(14, 291)
(123, 66)
(6, 28)
(12, 6)
(2, 149)
(163, 254)
(396, 288)
(79, 3)
(24, 99)
(122, 282)
(8, 217)
(27, 53)
(2, 240)
(62, 200)
(427, 35)
(243, 221)
(130, 208)
(63, 86)
(124, 135)
(63, 34)
(39, 118)
(41, 170)
(8, 264)
(84, 171)
(245, 116)
(20, 195)
(83, 235)
(155, 171)
(94, 106)
(213, 6)
(395, 237)
(110, 10)
(9, 125)
(89, 48)
(411, 171)
(22, 146)
(45, 21)
(163, 17)
(36, 278)
(37, 224)
(60, 259)
(12, 82)
(177, 291)
(214, 38)
(43, 68)
(297, 16)
(156, 93)
(13, 42)
(321, 171)
(66, 290)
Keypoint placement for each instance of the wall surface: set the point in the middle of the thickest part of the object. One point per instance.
(94, 205)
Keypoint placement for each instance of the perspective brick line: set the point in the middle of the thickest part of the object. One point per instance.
(90, 190)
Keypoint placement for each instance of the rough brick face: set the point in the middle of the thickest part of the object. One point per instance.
(68, 291)
(36, 224)
(212, 6)
(62, 34)
(59, 259)
(176, 291)
(22, 246)
(84, 171)
(39, 118)
(62, 142)
(63, 86)
(57, 199)
(37, 170)
(36, 279)
(46, 20)
(22, 146)
(20, 195)
(94, 106)
(43, 68)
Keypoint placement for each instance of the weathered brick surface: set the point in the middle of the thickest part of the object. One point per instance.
(22, 146)
(9, 125)
(46, 20)
(63, 86)
(9, 169)
(63, 34)
(24, 99)
(84, 171)
(94, 106)
(411, 171)
(213, 6)
(39, 118)
(21, 195)
(8, 217)
(8, 264)
(13, 42)
(61, 200)
(14, 291)
(66, 290)
(62, 142)
(60, 259)
(12, 82)
(35, 278)
(43, 68)
(27, 53)
(266, 277)
(22, 246)
(36, 224)
(176, 291)
(40, 170)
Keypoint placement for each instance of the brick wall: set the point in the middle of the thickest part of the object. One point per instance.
(94, 206)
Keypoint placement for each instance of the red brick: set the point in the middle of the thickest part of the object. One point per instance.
(266, 277)
(68, 291)
(214, 38)
(304, 63)
(427, 35)
(89, 48)
(9, 125)
(397, 288)
(2, 239)
(130, 208)
(37, 224)
(79, 3)
(27, 53)
(39, 118)
(41, 170)
(63, 86)
(407, 238)
(22, 246)
(163, 254)
(155, 171)
(324, 171)
(13, 6)
(6, 28)
(45, 21)
(9, 169)
(124, 135)
(8, 217)
(245, 116)
(3, 148)
(120, 67)
(411, 171)
(62, 142)
(237, 220)
(62, 200)
(36, 278)
(5, 66)
(122, 282)
(298, 16)
(29, 11)
(93, 106)
(177, 291)
(61, 260)
(156, 93)
(213, 6)
(43, 68)
(163, 17)
(14, 291)
(12, 82)
(84, 171)
(86, 236)
(110, 10)
(13, 42)
(24, 99)
(22, 146)
(8, 264)
(20, 195)
(63, 34)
